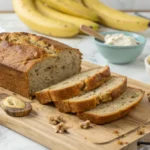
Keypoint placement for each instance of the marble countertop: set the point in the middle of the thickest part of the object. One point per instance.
(10, 140)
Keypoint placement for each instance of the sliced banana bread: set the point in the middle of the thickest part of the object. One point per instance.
(110, 111)
(76, 85)
(29, 63)
(108, 91)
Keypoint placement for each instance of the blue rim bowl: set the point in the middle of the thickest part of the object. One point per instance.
(121, 54)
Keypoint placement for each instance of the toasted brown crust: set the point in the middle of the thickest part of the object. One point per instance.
(17, 59)
(109, 118)
(97, 80)
(79, 88)
(28, 54)
(81, 106)
(67, 92)
(116, 92)
(87, 85)
(13, 80)
(56, 44)
(43, 97)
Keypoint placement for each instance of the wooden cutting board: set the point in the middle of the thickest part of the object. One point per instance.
(36, 126)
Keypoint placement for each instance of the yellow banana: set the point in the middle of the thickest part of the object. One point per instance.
(49, 12)
(78, 1)
(117, 19)
(27, 12)
(72, 8)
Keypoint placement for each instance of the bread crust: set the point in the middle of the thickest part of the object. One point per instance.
(111, 117)
(19, 58)
(97, 80)
(76, 89)
(67, 106)
(28, 54)
(87, 104)
(16, 80)
(43, 97)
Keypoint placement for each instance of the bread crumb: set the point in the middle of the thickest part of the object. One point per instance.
(55, 120)
(116, 132)
(61, 128)
(126, 142)
(141, 131)
(120, 142)
(85, 125)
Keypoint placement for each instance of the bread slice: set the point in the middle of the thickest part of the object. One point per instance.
(111, 89)
(110, 111)
(76, 85)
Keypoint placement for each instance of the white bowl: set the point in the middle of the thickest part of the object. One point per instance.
(147, 64)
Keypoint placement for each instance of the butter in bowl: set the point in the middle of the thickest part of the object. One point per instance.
(121, 47)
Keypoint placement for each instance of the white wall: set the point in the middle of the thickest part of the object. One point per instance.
(128, 4)
(5, 5)
(119, 4)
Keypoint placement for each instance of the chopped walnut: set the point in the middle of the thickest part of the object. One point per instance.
(85, 125)
(148, 96)
(61, 128)
(116, 132)
(141, 131)
(120, 142)
(56, 120)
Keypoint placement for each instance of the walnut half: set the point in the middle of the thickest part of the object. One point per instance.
(85, 125)
(56, 120)
(61, 128)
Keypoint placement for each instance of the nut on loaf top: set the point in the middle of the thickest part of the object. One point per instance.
(20, 50)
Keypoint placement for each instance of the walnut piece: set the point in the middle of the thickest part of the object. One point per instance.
(141, 131)
(122, 142)
(61, 128)
(85, 125)
(56, 120)
(116, 132)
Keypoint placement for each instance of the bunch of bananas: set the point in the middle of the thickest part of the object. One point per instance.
(63, 18)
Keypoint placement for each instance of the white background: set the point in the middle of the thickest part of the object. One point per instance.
(119, 4)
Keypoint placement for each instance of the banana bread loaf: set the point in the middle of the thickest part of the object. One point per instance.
(30, 63)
